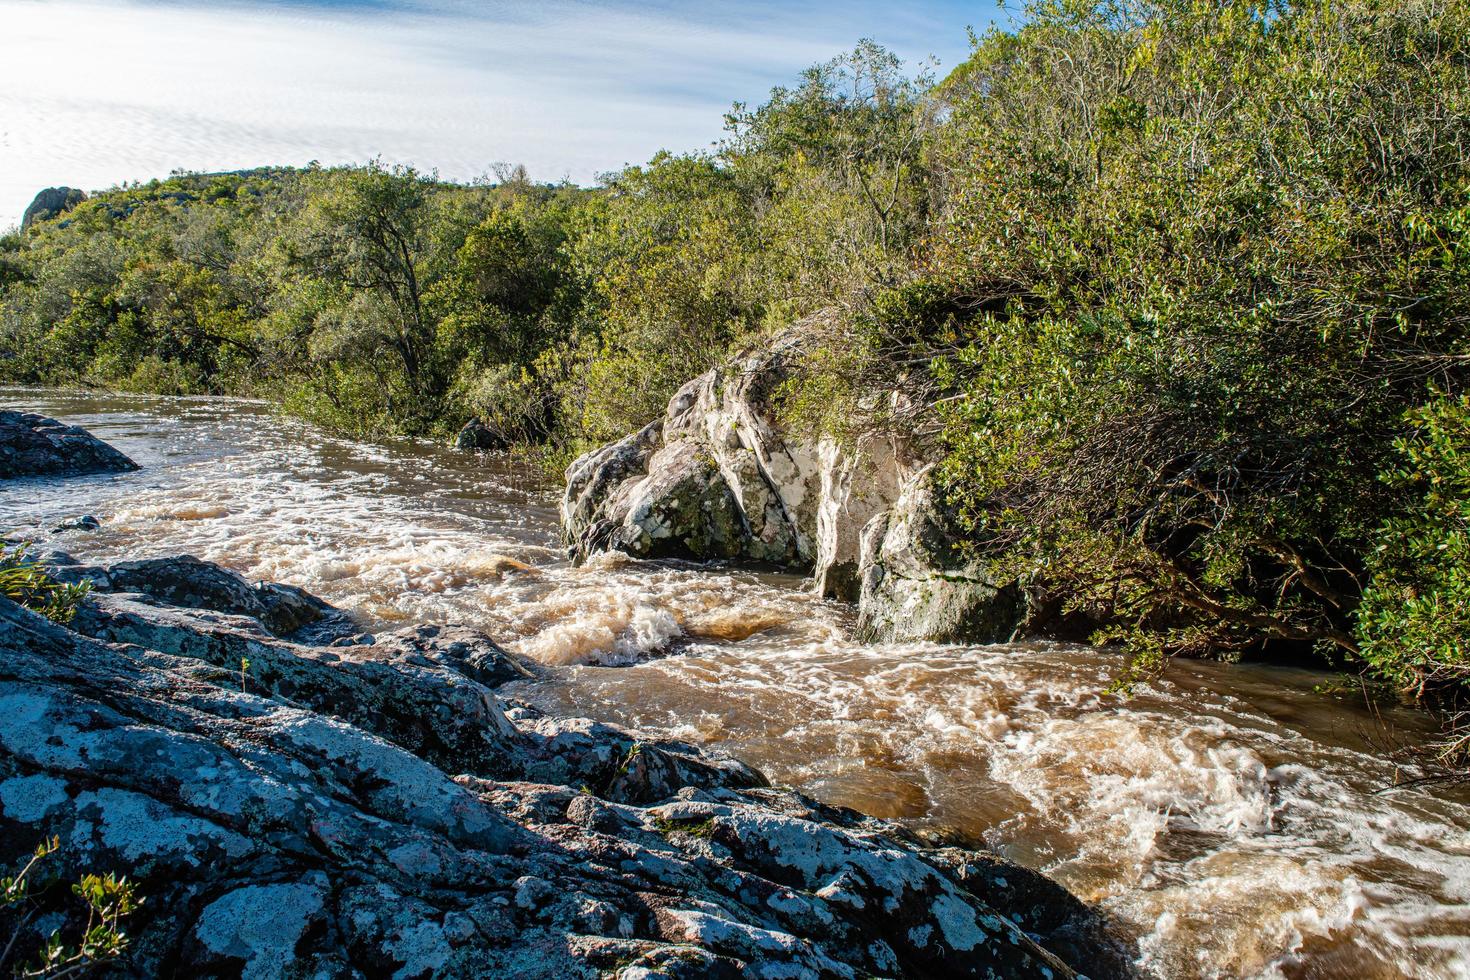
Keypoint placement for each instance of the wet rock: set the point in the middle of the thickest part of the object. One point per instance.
(718, 478)
(918, 584)
(183, 580)
(85, 523)
(309, 824)
(33, 445)
(477, 435)
(1049, 914)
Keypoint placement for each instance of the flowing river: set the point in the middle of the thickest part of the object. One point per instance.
(1234, 821)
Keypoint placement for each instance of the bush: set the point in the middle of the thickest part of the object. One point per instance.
(75, 946)
(1196, 242)
(1415, 618)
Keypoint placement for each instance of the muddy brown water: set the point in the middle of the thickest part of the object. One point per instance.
(1232, 820)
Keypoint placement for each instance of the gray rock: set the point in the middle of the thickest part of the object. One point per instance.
(33, 445)
(51, 202)
(183, 580)
(918, 584)
(715, 478)
(309, 825)
(84, 523)
(718, 478)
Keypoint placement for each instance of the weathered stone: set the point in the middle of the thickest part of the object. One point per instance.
(718, 478)
(33, 445)
(918, 584)
(183, 580)
(51, 202)
(308, 825)
(714, 478)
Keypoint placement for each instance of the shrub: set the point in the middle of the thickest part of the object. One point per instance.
(1414, 622)
(27, 583)
(76, 946)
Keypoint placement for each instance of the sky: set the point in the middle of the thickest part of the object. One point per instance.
(97, 92)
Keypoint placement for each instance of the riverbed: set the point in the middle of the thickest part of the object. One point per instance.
(1234, 821)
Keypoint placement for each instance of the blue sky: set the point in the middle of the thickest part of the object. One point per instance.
(94, 92)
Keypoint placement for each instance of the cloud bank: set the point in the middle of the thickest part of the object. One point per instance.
(93, 93)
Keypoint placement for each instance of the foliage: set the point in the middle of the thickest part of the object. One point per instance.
(1177, 289)
(1415, 616)
(1213, 253)
(27, 583)
(74, 948)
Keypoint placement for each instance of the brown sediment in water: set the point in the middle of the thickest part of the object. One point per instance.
(1229, 818)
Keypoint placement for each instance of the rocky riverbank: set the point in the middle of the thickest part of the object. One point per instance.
(291, 796)
(719, 477)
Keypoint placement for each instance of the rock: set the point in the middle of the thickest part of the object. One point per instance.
(184, 580)
(84, 523)
(1049, 914)
(310, 825)
(918, 584)
(51, 202)
(717, 478)
(478, 435)
(33, 445)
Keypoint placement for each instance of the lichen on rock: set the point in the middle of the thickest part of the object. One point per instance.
(375, 810)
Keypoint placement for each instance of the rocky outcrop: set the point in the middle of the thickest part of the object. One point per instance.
(373, 809)
(33, 445)
(719, 478)
(51, 202)
(184, 580)
(919, 584)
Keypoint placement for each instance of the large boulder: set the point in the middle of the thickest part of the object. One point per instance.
(33, 445)
(477, 435)
(718, 477)
(373, 810)
(918, 582)
(183, 580)
(51, 202)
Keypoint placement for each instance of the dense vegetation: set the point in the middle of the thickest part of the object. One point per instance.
(1179, 289)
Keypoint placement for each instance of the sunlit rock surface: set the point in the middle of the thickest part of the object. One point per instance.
(33, 445)
(918, 583)
(719, 478)
(373, 809)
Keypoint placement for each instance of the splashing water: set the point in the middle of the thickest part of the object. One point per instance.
(1230, 820)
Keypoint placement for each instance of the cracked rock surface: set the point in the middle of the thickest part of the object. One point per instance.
(34, 445)
(378, 809)
(718, 477)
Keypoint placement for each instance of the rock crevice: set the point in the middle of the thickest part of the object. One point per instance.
(378, 808)
(719, 478)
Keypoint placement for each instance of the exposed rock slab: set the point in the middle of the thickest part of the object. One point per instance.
(718, 478)
(34, 445)
(372, 810)
(918, 583)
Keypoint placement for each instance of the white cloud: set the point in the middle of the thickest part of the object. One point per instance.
(93, 93)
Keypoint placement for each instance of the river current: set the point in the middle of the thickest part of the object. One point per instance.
(1233, 821)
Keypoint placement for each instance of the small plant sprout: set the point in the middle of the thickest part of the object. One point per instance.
(244, 666)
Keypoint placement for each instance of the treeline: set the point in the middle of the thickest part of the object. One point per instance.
(1178, 290)
(380, 300)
